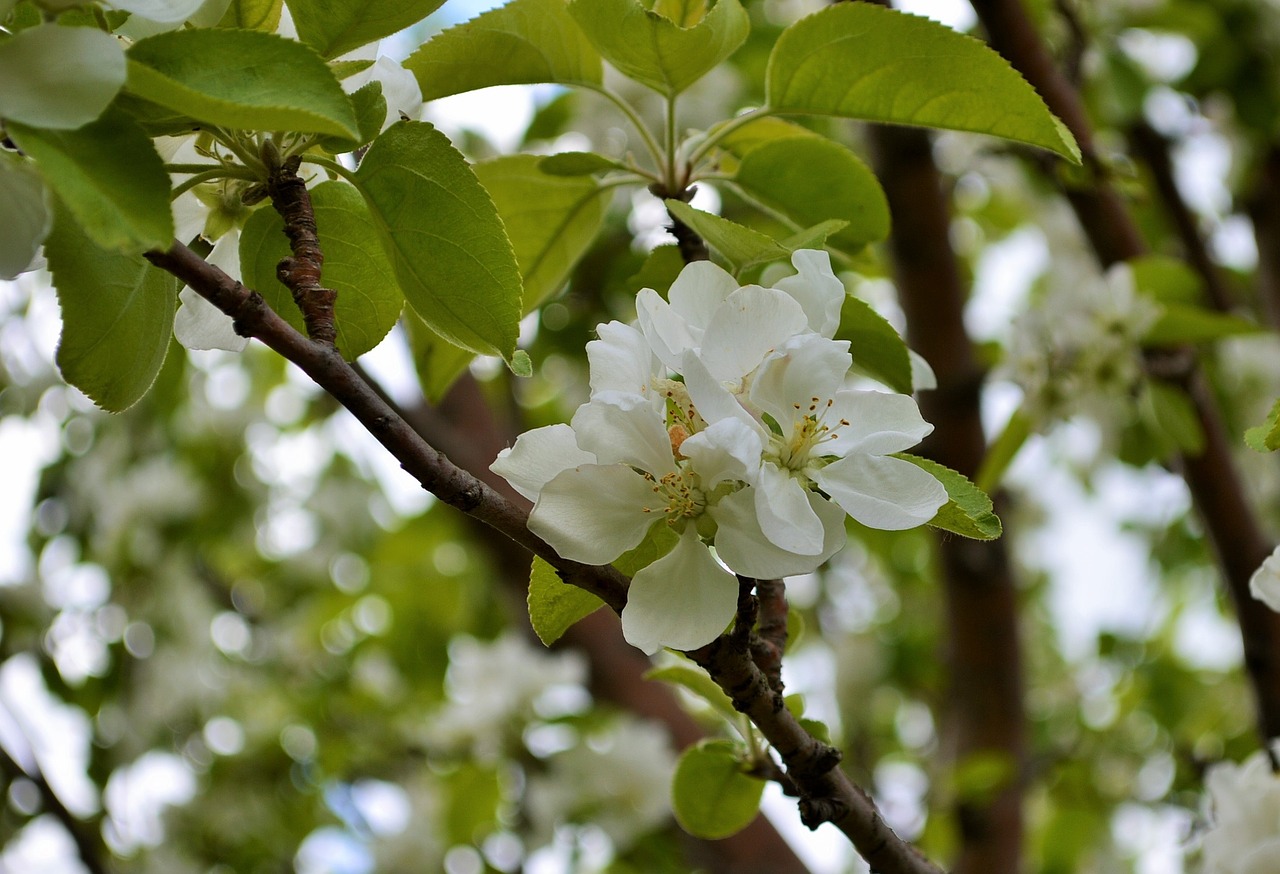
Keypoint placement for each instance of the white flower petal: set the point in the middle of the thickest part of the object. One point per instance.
(683, 600)
(922, 376)
(594, 513)
(879, 423)
(399, 88)
(225, 254)
(538, 457)
(621, 360)
(881, 492)
(751, 323)
(806, 371)
(698, 291)
(168, 11)
(727, 450)
(816, 289)
(1265, 582)
(782, 506)
(198, 324)
(712, 400)
(624, 429)
(665, 330)
(743, 546)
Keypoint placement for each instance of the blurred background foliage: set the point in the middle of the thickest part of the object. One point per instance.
(235, 638)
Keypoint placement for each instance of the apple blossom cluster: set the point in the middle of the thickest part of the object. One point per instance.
(1244, 805)
(723, 415)
(1079, 348)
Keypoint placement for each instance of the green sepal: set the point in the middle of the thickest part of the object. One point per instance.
(369, 300)
(521, 43)
(117, 316)
(443, 237)
(109, 175)
(968, 510)
(654, 50)
(711, 795)
(241, 79)
(810, 179)
(1265, 437)
(335, 27)
(554, 605)
(877, 348)
(860, 60)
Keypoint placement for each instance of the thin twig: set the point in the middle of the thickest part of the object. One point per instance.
(301, 273)
(89, 848)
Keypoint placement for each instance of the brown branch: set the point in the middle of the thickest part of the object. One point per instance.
(1214, 483)
(1153, 148)
(301, 272)
(984, 706)
(1264, 210)
(89, 847)
(770, 642)
(321, 362)
(692, 247)
(827, 792)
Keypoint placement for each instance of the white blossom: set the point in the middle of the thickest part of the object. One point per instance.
(1265, 582)
(725, 417)
(1244, 803)
(399, 89)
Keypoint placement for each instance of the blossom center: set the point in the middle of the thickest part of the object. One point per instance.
(678, 496)
(810, 429)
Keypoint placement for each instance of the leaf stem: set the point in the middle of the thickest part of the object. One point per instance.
(332, 166)
(650, 141)
(715, 136)
(218, 172)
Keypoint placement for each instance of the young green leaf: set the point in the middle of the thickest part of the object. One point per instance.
(710, 795)
(110, 177)
(371, 111)
(1003, 450)
(696, 681)
(815, 237)
(253, 15)
(523, 42)
(578, 164)
(444, 238)
(334, 27)
(968, 512)
(650, 48)
(876, 346)
(1174, 413)
(59, 77)
(859, 60)
(117, 316)
(551, 220)
(241, 79)
(1265, 437)
(24, 202)
(554, 605)
(369, 301)
(812, 179)
(1183, 323)
(741, 246)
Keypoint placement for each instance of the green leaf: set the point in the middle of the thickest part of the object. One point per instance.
(551, 220)
(117, 316)
(741, 246)
(1003, 450)
(876, 347)
(1168, 280)
(696, 681)
(241, 79)
(473, 795)
(60, 77)
(815, 237)
(335, 27)
(760, 132)
(554, 605)
(710, 795)
(1183, 323)
(968, 512)
(685, 13)
(859, 60)
(811, 179)
(371, 112)
(523, 42)
(253, 15)
(1265, 437)
(578, 164)
(444, 238)
(24, 203)
(656, 51)
(369, 301)
(659, 270)
(110, 177)
(1174, 413)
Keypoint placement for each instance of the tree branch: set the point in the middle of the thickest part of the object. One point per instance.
(1214, 483)
(93, 855)
(301, 273)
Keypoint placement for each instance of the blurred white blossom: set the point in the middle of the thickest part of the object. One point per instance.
(1265, 582)
(1244, 805)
